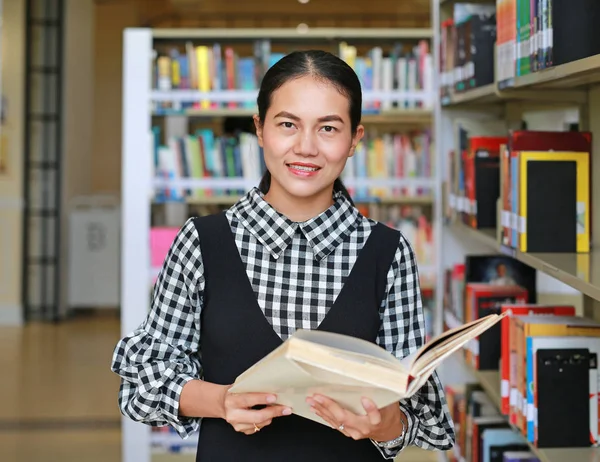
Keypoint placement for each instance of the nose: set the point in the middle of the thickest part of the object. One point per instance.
(306, 144)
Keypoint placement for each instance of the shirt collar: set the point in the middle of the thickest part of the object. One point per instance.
(275, 231)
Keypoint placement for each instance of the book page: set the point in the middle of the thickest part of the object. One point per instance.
(345, 343)
(444, 345)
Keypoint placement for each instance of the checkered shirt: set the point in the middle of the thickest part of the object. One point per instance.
(296, 269)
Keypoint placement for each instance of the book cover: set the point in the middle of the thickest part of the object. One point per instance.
(347, 369)
(541, 326)
(505, 356)
(501, 270)
(483, 352)
(555, 191)
(535, 140)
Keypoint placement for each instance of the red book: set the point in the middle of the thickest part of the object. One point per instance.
(483, 353)
(483, 154)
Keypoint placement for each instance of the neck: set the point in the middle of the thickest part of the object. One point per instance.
(298, 208)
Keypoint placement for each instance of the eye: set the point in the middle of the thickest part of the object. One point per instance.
(287, 124)
(329, 129)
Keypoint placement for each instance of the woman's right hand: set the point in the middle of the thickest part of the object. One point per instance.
(239, 414)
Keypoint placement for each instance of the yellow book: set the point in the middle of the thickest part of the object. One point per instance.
(175, 73)
(203, 72)
(583, 193)
(164, 73)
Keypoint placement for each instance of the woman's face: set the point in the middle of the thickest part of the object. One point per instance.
(307, 137)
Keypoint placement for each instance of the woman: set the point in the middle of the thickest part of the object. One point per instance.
(292, 253)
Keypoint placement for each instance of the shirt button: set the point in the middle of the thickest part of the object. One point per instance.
(276, 256)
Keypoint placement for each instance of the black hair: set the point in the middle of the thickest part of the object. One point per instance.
(321, 65)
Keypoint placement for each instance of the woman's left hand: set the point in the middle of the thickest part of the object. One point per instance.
(378, 424)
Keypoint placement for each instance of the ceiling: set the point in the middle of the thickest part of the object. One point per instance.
(281, 13)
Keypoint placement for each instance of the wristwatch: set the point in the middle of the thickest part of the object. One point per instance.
(395, 442)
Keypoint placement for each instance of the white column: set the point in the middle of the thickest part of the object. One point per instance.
(136, 193)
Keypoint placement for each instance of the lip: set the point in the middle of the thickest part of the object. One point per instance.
(303, 164)
(302, 173)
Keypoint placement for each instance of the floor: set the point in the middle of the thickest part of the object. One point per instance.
(58, 395)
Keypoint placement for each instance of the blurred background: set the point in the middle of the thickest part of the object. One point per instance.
(62, 182)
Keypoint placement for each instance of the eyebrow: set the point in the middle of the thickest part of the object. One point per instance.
(327, 118)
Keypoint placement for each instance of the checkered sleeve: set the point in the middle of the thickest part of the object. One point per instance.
(160, 356)
(402, 333)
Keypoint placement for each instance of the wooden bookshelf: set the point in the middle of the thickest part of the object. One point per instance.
(576, 87)
(481, 95)
(576, 74)
(567, 83)
(579, 271)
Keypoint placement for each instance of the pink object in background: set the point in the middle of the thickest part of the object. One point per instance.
(161, 239)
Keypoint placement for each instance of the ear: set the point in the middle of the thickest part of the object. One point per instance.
(259, 129)
(360, 132)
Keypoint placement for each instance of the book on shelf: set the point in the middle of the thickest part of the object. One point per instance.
(538, 348)
(481, 162)
(536, 35)
(542, 181)
(513, 38)
(346, 368)
(533, 334)
(483, 352)
(467, 45)
(554, 193)
(508, 393)
(400, 67)
(529, 140)
(459, 205)
(487, 270)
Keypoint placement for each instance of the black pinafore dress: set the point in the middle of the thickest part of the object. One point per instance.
(235, 334)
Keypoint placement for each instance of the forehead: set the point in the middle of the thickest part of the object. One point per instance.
(309, 96)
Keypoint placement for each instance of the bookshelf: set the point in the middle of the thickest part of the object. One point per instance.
(172, 108)
(500, 105)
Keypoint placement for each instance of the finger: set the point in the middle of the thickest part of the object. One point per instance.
(345, 422)
(345, 430)
(248, 400)
(270, 412)
(373, 414)
(338, 412)
(252, 429)
(355, 426)
(324, 412)
(326, 416)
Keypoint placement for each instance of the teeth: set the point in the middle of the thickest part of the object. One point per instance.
(304, 169)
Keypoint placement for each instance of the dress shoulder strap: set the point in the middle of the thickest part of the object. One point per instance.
(217, 244)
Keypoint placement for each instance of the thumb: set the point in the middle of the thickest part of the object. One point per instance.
(373, 413)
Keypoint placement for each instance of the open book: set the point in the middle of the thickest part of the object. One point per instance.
(346, 368)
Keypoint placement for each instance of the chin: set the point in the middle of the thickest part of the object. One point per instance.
(303, 189)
